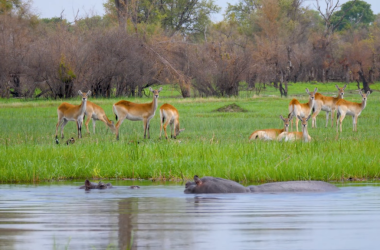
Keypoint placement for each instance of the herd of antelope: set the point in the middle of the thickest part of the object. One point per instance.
(122, 110)
(169, 115)
(303, 112)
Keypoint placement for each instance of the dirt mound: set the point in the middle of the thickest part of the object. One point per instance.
(230, 108)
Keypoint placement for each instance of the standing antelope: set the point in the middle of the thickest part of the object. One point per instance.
(136, 112)
(350, 108)
(326, 103)
(302, 109)
(171, 115)
(97, 113)
(69, 112)
(291, 136)
(271, 134)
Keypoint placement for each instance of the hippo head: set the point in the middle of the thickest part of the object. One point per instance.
(212, 185)
(88, 185)
(190, 187)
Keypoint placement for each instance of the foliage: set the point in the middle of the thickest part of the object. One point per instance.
(356, 14)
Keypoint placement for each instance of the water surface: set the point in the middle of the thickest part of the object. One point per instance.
(60, 216)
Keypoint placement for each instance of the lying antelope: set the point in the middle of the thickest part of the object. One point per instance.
(271, 134)
(171, 115)
(327, 104)
(301, 109)
(69, 112)
(292, 136)
(136, 112)
(97, 113)
(350, 108)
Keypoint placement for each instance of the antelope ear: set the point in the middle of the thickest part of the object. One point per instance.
(308, 118)
(307, 90)
(282, 118)
(159, 90)
(360, 92)
(344, 87)
(315, 90)
(80, 92)
(290, 116)
(89, 93)
(337, 86)
(197, 180)
(368, 92)
(150, 88)
(299, 117)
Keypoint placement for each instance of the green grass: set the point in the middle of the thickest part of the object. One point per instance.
(213, 144)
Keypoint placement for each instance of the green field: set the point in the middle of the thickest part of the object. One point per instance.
(213, 144)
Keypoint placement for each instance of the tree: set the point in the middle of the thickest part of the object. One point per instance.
(353, 14)
(174, 15)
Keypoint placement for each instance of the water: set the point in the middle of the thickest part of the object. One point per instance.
(61, 216)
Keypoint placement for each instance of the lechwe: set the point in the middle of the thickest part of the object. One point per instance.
(69, 112)
(302, 109)
(292, 136)
(136, 112)
(171, 115)
(327, 104)
(353, 109)
(272, 133)
(97, 113)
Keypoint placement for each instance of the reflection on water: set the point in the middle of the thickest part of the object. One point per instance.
(162, 217)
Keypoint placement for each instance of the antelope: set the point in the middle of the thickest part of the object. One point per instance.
(326, 103)
(292, 136)
(302, 109)
(171, 115)
(350, 108)
(271, 134)
(69, 112)
(97, 113)
(136, 112)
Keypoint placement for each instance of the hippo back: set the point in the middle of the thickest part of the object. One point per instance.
(212, 185)
(294, 186)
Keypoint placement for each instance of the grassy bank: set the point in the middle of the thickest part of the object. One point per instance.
(214, 143)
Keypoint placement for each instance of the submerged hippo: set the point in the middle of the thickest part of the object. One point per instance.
(212, 185)
(88, 185)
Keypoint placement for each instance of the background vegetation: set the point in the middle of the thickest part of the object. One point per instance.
(140, 43)
(213, 144)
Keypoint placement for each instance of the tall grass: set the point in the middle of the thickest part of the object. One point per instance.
(213, 144)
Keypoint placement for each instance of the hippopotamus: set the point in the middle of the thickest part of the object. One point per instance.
(213, 185)
(88, 185)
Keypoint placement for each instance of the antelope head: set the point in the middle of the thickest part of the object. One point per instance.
(286, 121)
(341, 90)
(312, 94)
(155, 92)
(84, 95)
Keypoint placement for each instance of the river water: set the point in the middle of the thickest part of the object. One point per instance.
(61, 216)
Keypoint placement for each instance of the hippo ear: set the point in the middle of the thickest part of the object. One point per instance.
(197, 180)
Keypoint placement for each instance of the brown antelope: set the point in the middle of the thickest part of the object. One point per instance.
(350, 108)
(271, 134)
(327, 104)
(136, 112)
(302, 109)
(171, 115)
(69, 112)
(292, 136)
(97, 113)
